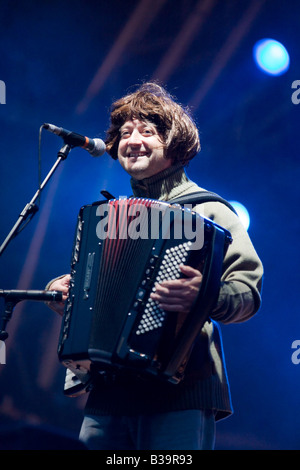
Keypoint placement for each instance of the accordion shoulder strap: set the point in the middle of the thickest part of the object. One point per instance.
(200, 197)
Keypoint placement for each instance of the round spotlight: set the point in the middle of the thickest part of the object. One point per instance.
(271, 56)
(242, 213)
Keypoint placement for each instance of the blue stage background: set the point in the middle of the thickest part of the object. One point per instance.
(64, 63)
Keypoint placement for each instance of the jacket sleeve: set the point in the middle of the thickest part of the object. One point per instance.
(241, 282)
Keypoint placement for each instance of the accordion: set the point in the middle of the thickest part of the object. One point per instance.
(122, 248)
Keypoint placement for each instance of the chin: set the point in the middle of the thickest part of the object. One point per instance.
(139, 172)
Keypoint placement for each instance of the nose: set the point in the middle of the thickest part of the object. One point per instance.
(135, 138)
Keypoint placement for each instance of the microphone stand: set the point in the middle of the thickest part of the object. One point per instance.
(31, 207)
(12, 297)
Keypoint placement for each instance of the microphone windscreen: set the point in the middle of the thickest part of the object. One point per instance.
(99, 148)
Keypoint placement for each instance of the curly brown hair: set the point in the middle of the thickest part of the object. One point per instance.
(152, 103)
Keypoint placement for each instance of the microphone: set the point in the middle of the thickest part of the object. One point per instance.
(96, 147)
(18, 295)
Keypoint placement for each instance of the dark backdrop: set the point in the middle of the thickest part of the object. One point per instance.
(64, 63)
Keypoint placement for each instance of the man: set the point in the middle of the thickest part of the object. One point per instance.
(154, 138)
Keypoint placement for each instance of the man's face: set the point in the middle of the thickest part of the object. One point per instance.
(141, 150)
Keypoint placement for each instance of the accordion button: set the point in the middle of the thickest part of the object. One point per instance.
(141, 293)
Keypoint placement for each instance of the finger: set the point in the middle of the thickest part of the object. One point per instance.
(176, 298)
(167, 287)
(191, 275)
(179, 284)
(185, 300)
(61, 284)
(189, 271)
(66, 280)
(173, 307)
(170, 302)
(64, 290)
(167, 297)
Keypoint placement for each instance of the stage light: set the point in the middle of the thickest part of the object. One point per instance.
(271, 56)
(242, 213)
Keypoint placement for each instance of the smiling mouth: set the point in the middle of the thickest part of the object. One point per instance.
(137, 154)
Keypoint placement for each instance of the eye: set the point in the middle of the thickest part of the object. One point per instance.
(148, 131)
(125, 133)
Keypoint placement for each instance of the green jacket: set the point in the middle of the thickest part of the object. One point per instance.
(205, 385)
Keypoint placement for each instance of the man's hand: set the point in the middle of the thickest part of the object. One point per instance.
(61, 284)
(179, 295)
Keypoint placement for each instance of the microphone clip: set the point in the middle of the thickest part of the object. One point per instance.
(64, 151)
